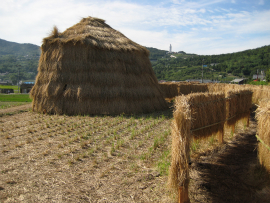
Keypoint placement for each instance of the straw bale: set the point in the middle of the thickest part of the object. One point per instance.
(263, 130)
(93, 69)
(207, 110)
(170, 90)
(180, 128)
(216, 87)
(173, 89)
(191, 112)
(238, 105)
(260, 92)
(187, 88)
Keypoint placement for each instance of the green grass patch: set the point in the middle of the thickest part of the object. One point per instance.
(164, 163)
(258, 83)
(14, 87)
(15, 98)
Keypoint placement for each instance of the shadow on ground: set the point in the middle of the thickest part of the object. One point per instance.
(232, 174)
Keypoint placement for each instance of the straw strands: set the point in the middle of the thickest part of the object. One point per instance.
(259, 92)
(263, 117)
(173, 89)
(93, 69)
(180, 127)
(192, 112)
(169, 89)
(187, 88)
(199, 115)
(207, 110)
(238, 105)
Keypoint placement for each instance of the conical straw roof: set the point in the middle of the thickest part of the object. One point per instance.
(93, 69)
(95, 32)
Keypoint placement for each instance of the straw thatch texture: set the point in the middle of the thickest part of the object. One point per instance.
(207, 110)
(216, 87)
(173, 89)
(259, 92)
(93, 69)
(192, 112)
(181, 125)
(187, 88)
(263, 117)
(238, 105)
(170, 90)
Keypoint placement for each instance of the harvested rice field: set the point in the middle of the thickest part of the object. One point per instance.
(52, 158)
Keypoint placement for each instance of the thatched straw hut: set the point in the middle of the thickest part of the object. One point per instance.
(93, 69)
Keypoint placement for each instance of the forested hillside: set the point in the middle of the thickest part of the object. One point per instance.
(15, 58)
(155, 54)
(222, 67)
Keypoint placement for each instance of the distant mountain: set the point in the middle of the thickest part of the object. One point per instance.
(16, 49)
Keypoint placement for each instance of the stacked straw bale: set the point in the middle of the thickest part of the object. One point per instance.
(259, 92)
(188, 88)
(238, 105)
(173, 89)
(207, 110)
(93, 69)
(263, 129)
(216, 87)
(181, 136)
(169, 89)
(196, 115)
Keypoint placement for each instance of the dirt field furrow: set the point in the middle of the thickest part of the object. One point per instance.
(52, 158)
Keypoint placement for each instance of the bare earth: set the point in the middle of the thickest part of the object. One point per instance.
(15, 109)
(231, 172)
(50, 158)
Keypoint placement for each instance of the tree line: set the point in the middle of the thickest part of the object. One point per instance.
(240, 64)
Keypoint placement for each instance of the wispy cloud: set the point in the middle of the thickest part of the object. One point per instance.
(203, 26)
(261, 2)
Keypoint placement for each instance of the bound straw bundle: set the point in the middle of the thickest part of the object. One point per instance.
(238, 105)
(263, 117)
(187, 88)
(169, 89)
(180, 127)
(208, 113)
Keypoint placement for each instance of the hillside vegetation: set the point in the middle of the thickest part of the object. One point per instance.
(18, 60)
(222, 67)
(21, 61)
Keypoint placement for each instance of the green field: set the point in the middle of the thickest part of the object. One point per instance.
(14, 87)
(15, 98)
(259, 83)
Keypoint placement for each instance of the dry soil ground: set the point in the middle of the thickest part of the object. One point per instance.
(50, 158)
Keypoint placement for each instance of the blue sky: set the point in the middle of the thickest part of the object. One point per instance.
(194, 26)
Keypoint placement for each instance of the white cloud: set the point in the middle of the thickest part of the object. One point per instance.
(261, 2)
(177, 1)
(192, 27)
